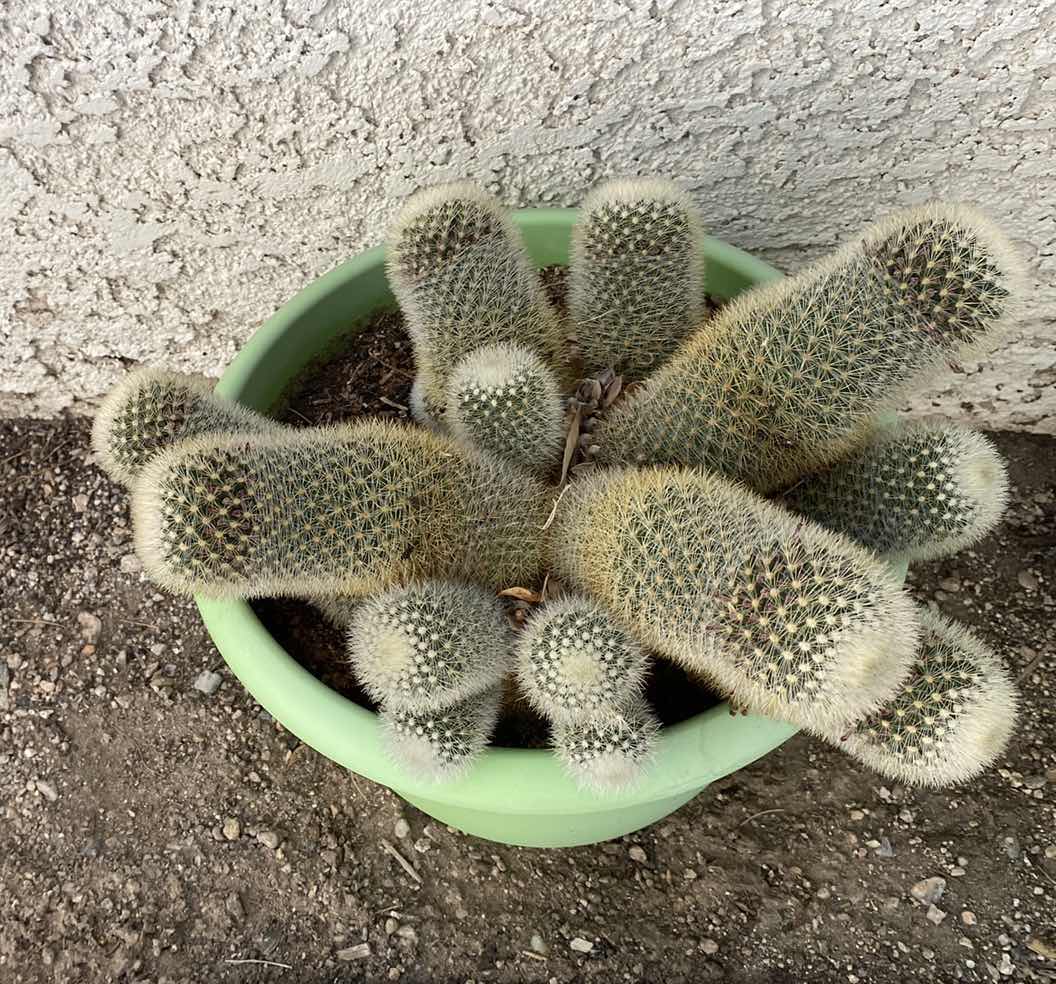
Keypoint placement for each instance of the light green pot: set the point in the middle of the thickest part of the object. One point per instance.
(516, 796)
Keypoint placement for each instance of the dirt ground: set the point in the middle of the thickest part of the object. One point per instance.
(150, 831)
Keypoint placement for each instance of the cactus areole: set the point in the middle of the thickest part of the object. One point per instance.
(512, 795)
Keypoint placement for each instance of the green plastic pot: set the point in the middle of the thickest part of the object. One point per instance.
(515, 796)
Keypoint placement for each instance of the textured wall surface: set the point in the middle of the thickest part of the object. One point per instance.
(172, 172)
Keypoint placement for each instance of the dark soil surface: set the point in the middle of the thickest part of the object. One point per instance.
(151, 831)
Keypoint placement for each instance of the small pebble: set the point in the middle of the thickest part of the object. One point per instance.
(90, 626)
(951, 584)
(234, 907)
(401, 829)
(1030, 582)
(407, 933)
(232, 829)
(208, 682)
(80, 503)
(929, 890)
(391, 925)
(637, 854)
(935, 914)
(1006, 967)
(130, 564)
(47, 790)
(885, 850)
(956, 871)
(538, 944)
(581, 945)
(709, 946)
(857, 815)
(269, 839)
(968, 917)
(360, 952)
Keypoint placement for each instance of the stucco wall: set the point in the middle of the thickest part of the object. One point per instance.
(171, 173)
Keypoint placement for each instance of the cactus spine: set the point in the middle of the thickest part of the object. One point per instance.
(637, 275)
(609, 751)
(917, 491)
(951, 718)
(574, 661)
(790, 620)
(149, 410)
(784, 380)
(322, 511)
(430, 645)
(504, 400)
(463, 280)
(441, 744)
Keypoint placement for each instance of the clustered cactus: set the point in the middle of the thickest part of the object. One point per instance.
(581, 670)
(950, 718)
(464, 281)
(502, 399)
(797, 623)
(913, 492)
(340, 510)
(433, 655)
(651, 507)
(786, 378)
(637, 284)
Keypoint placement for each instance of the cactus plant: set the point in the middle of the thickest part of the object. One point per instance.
(784, 380)
(429, 645)
(607, 751)
(573, 660)
(440, 744)
(636, 285)
(463, 280)
(950, 719)
(916, 491)
(151, 409)
(504, 400)
(323, 511)
(337, 610)
(788, 619)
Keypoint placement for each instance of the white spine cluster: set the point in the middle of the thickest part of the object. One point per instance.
(950, 719)
(916, 492)
(502, 399)
(429, 645)
(608, 752)
(636, 285)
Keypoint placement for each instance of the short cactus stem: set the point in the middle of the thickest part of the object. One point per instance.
(429, 645)
(608, 752)
(950, 719)
(915, 492)
(573, 660)
(787, 619)
(785, 379)
(463, 280)
(502, 399)
(637, 275)
(150, 410)
(441, 744)
(349, 510)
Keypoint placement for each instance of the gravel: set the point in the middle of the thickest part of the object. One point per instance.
(208, 682)
(929, 890)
